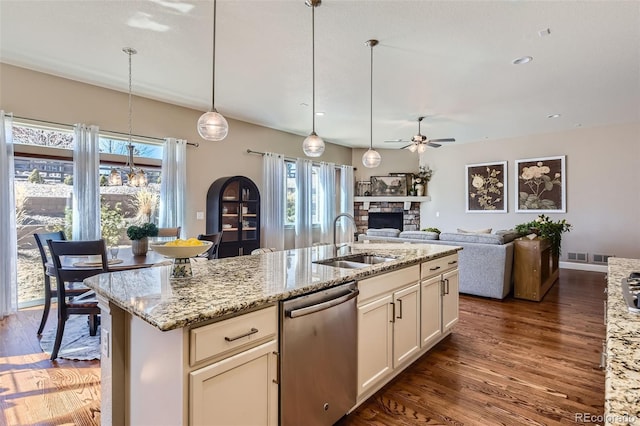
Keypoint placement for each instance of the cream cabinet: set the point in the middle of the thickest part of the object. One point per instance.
(388, 324)
(240, 386)
(439, 299)
(239, 390)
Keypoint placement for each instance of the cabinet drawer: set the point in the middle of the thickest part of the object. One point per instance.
(438, 266)
(385, 283)
(230, 335)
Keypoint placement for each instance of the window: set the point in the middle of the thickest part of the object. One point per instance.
(292, 191)
(44, 186)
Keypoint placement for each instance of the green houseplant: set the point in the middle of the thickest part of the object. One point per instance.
(546, 228)
(139, 236)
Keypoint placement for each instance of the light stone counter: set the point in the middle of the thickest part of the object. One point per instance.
(232, 285)
(622, 379)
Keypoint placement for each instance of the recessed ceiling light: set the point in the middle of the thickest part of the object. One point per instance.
(320, 113)
(522, 60)
(553, 115)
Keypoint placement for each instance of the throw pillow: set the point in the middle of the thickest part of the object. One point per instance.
(384, 232)
(477, 231)
(508, 235)
(419, 235)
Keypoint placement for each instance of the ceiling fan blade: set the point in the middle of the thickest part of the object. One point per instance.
(433, 145)
(442, 140)
(397, 141)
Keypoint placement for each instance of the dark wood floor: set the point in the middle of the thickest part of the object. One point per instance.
(510, 362)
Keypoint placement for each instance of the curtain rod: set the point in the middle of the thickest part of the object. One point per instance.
(250, 151)
(195, 144)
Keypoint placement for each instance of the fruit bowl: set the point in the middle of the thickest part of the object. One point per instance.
(181, 254)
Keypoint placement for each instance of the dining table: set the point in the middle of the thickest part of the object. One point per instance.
(123, 261)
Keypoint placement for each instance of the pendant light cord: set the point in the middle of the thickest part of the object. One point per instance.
(213, 79)
(371, 101)
(313, 67)
(130, 52)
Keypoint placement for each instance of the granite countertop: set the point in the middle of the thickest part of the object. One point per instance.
(622, 379)
(222, 287)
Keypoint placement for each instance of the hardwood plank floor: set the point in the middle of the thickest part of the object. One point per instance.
(510, 362)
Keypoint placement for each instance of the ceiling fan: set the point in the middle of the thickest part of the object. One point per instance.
(420, 142)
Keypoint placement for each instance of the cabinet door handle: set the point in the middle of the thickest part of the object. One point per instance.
(453, 262)
(400, 309)
(247, 334)
(393, 312)
(277, 379)
(446, 280)
(434, 268)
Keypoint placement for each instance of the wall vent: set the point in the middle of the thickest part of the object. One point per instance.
(602, 258)
(577, 257)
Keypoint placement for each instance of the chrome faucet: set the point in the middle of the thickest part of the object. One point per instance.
(335, 224)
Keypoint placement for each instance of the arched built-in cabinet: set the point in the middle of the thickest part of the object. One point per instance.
(233, 207)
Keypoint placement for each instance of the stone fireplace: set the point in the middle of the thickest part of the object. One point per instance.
(410, 216)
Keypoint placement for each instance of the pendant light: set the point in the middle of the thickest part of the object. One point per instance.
(313, 145)
(135, 175)
(212, 126)
(371, 158)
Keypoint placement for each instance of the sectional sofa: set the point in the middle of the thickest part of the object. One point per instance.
(486, 261)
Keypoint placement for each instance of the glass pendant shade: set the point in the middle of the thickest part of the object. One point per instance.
(212, 126)
(413, 147)
(313, 145)
(114, 178)
(371, 158)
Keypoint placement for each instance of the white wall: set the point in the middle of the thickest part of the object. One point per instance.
(603, 182)
(603, 186)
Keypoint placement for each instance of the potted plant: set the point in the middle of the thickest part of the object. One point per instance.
(139, 236)
(546, 228)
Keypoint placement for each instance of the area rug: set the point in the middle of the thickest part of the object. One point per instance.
(76, 342)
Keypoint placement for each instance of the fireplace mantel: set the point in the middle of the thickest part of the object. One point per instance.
(393, 199)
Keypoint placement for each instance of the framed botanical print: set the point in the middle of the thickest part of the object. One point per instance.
(541, 185)
(486, 187)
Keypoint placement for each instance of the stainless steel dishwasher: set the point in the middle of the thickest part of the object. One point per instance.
(318, 348)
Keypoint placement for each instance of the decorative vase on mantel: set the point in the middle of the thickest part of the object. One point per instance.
(419, 190)
(140, 247)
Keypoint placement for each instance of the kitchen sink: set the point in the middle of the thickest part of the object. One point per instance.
(355, 261)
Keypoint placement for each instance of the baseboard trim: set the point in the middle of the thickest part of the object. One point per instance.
(583, 266)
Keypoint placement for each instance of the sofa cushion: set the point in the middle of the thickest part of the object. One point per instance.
(508, 235)
(472, 238)
(419, 235)
(383, 232)
(476, 231)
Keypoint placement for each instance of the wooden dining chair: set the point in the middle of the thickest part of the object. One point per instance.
(169, 232)
(212, 253)
(85, 304)
(48, 272)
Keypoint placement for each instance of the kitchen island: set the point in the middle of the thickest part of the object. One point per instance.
(151, 323)
(622, 377)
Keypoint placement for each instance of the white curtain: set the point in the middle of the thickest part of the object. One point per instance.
(173, 185)
(273, 200)
(86, 183)
(346, 203)
(327, 199)
(303, 203)
(8, 243)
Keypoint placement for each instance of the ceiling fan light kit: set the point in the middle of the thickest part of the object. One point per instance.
(313, 145)
(212, 126)
(371, 158)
